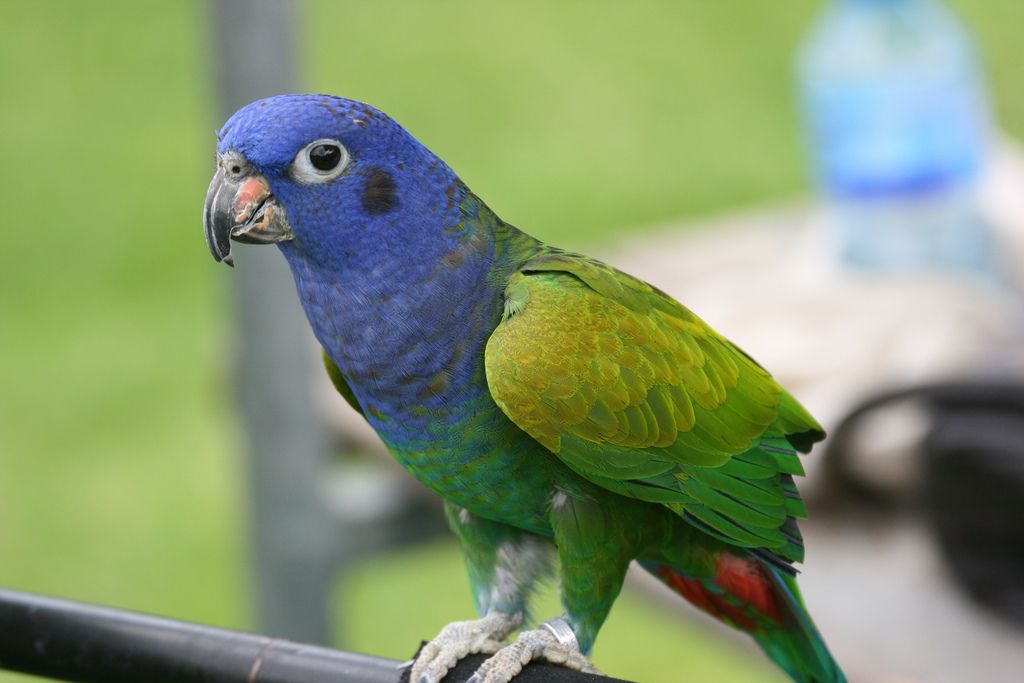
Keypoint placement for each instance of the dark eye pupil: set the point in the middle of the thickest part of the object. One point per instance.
(325, 157)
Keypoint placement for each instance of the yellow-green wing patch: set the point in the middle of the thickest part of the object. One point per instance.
(635, 392)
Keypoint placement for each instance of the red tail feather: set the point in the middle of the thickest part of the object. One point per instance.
(740, 593)
(756, 598)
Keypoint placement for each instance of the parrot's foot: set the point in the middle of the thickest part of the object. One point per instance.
(553, 642)
(459, 639)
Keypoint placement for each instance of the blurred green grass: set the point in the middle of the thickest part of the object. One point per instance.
(119, 453)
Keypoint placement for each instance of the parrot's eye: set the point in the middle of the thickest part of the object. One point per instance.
(320, 161)
(325, 157)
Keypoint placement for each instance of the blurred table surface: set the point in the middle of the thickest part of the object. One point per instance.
(768, 279)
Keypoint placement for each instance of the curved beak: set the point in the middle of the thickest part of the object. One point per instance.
(240, 207)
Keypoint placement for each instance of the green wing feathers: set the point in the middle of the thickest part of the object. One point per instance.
(636, 393)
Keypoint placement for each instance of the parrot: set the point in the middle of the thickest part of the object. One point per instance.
(573, 419)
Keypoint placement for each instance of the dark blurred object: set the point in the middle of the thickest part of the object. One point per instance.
(970, 486)
(973, 493)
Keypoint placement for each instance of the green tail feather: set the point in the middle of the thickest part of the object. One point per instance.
(797, 648)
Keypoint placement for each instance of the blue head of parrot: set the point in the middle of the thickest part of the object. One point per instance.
(335, 182)
(392, 256)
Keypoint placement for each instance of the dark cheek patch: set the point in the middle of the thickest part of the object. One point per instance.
(379, 193)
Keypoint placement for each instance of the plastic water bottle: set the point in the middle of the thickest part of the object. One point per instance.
(898, 125)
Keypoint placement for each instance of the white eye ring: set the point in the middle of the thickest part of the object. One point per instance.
(319, 161)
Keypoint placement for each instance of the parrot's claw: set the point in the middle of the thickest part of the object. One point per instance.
(545, 643)
(459, 639)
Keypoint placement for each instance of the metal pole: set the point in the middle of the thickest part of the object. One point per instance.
(72, 641)
(288, 442)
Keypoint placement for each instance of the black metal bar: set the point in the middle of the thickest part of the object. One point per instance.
(75, 642)
(72, 641)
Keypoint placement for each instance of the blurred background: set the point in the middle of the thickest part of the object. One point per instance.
(692, 143)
